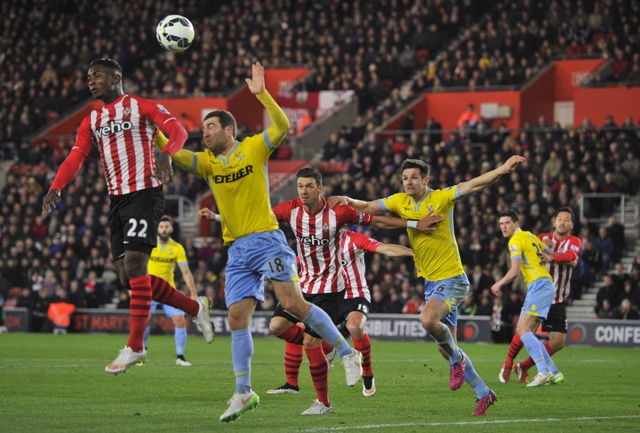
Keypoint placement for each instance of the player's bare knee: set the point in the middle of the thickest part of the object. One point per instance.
(178, 321)
(278, 325)
(355, 330)
(297, 307)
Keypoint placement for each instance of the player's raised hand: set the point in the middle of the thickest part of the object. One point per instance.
(49, 201)
(427, 224)
(512, 163)
(206, 213)
(163, 167)
(337, 200)
(256, 82)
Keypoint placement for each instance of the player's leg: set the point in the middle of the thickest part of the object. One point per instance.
(147, 331)
(358, 309)
(179, 333)
(536, 306)
(319, 373)
(244, 287)
(439, 296)
(514, 348)
(283, 326)
(166, 294)
(271, 257)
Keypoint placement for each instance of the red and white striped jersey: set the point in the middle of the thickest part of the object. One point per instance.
(354, 245)
(124, 132)
(319, 240)
(561, 272)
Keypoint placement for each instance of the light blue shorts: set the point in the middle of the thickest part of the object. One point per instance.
(539, 298)
(254, 257)
(451, 291)
(168, 309)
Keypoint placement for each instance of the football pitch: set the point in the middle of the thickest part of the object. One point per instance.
(57, 383)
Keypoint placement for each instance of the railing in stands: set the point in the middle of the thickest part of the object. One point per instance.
(622, 200)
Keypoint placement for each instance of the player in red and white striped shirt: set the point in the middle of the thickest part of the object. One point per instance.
(560, 263)
(322, 277)
(355, 309)
(124, 130)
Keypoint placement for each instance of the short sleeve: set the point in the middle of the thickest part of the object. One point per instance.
(515, 248)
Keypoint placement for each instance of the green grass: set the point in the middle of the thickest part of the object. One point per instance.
(56, 383)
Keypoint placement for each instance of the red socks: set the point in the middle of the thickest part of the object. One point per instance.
(327, 348)
(514, 349)
(139, 311)
(164, 293)
(319, 371)
(294, 335)
(363, 345)
(292, 361)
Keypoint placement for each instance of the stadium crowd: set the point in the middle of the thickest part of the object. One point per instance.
(370, 47)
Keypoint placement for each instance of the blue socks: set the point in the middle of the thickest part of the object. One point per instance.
(444, 339)
(180, 335)
(321, 323)
(472, 378)
(538, 353)
(241, 352)
(147, 331)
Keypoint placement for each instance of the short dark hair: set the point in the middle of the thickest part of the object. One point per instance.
(511, 214)
(416, 163)
(107, 63)
(567, 210)
(310, 172)
(226, 119)
(166, 218)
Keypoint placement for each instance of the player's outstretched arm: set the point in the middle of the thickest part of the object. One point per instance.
(426, 224)
(184, 158)
(481, 182)
(280, 122)
(394, 250)
(370, 207)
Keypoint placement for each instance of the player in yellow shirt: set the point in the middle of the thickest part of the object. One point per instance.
(529, 255)
(164, 258)
(438, 260)
(237, 175)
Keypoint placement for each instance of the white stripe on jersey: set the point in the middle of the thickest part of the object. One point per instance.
(560, 273)
(321, 271)
(354, 266)
(121, 148)
(103, 142)
(138, 147)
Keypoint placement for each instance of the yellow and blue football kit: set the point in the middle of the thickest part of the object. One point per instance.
(162, 262)
(525, 246)
(239, 182)
(436, 253)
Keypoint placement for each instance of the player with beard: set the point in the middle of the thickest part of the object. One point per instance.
(164, 258)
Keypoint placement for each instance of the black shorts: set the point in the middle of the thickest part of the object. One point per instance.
(330, 303)
(360, 305)
(134, 219)
(556, 320)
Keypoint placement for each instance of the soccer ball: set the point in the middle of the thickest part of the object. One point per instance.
(175, 33)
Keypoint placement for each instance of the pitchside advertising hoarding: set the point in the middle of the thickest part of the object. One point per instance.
(611, 333)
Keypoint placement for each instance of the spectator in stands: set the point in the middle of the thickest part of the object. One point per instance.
(605, 247)
(307, 120)
(615, 231)
(468, 119)
(607, 311)
(606, 293)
